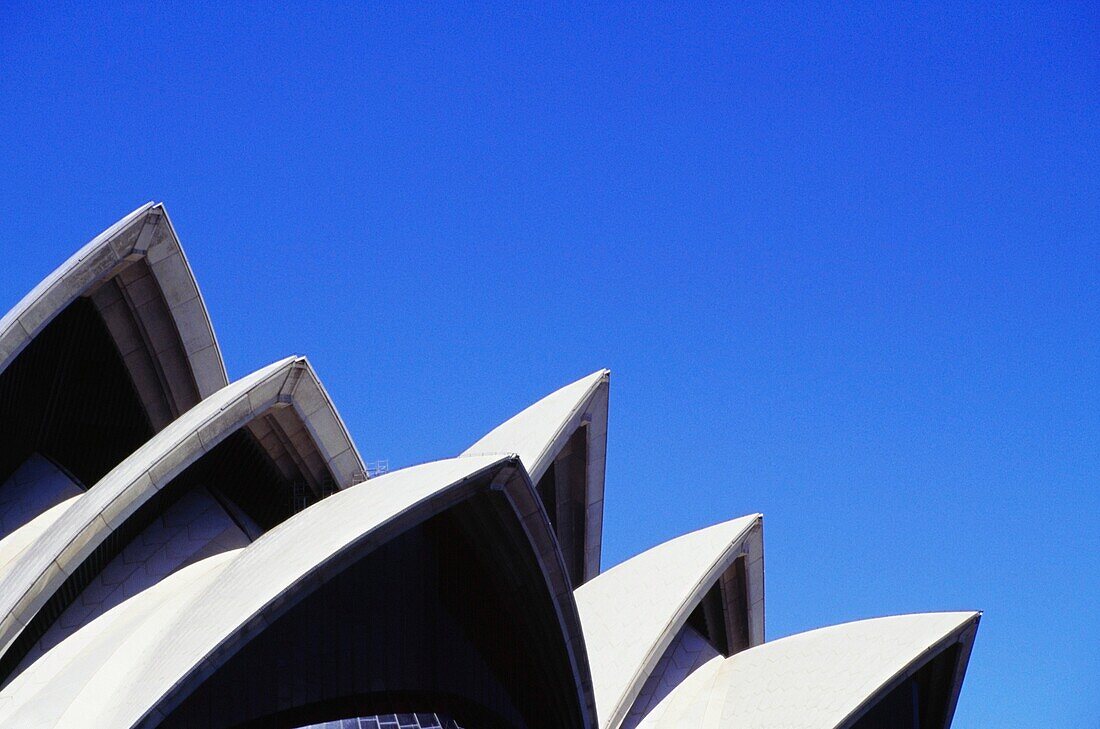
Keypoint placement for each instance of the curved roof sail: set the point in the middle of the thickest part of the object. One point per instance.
(137, 277)
(833, 677)
(634, 611)
(104, 352)
(294, 428)
(177, 550)
(39, 695)
(562, 442)
(190, 651)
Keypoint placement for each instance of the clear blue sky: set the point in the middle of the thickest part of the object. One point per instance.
(843, 263)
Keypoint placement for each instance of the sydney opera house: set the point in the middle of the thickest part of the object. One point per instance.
(179, 550)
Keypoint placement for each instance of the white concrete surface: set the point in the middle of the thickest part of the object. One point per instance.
(13, 545)
(39, 696)
(632, 612)
(43, 566)
(138, 681)
(191, 529)
(688, 652)
(35, 487)
(820, 679)
(144, 235)
(540, 431)
(164, 614)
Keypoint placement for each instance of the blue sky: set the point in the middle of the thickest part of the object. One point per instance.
(844, 264)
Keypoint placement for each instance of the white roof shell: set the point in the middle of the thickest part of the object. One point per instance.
(36, 573)
(631, 612)
(540, 431)
(820, 679)
(138, 660)
(13, 545)
(146, 234)
(40, 695)
(192, 633)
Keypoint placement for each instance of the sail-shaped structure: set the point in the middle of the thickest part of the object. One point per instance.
(179, 550)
